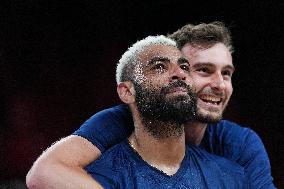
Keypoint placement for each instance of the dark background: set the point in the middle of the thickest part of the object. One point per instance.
(57, 67)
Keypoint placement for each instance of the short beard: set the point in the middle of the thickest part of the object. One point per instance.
(163, 117)
(207, 118)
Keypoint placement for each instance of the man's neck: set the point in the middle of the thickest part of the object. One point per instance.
(165, 154)
(194, 132)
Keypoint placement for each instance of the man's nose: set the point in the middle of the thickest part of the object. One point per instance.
(218, 82)
(177, 73)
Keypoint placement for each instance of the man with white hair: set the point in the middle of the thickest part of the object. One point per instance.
(153, 79)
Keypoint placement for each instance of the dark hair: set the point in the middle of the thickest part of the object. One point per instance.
(203, 35)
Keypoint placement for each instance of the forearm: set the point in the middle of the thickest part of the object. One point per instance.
(59, 176)
(61, 166)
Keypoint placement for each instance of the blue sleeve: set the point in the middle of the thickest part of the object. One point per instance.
(255, 160)
(108, 127)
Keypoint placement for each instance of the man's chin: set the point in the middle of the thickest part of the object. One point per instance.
(208, 117)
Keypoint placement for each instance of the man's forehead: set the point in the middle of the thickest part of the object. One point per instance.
(218, 53)
(203, 49)
(152, 51)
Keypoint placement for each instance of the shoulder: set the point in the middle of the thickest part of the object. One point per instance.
(218, 170)
(229, 127)
(106, 118)
(244, 146)
(233, 141)
(111, 170)
(118, 112)
(222, 162)
(115, 158)
(231, 133)
(107, 127)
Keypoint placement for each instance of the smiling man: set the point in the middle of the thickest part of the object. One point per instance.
(208, 48)
(212, 70)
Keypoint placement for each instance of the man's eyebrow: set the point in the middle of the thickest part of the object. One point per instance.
(230, 67)
(158, 58)
(182, 60)
(208, 64)
(200, 64)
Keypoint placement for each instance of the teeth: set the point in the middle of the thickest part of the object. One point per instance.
(210, 98)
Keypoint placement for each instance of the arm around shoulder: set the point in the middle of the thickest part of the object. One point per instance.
(61, 165)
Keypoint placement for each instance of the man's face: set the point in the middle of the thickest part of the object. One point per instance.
(162, 85)
(211, 71)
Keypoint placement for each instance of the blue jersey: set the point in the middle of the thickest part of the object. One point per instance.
(121, 167)
(227, 139)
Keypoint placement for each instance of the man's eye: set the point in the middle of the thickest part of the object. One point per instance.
(185, 67)
(159, 66)
(226, 72)
(206, 70)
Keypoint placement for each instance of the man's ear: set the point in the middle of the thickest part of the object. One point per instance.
(126, 92)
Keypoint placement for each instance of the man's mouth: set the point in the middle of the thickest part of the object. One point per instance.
(178, 91)
(178, 87)
(214, 100)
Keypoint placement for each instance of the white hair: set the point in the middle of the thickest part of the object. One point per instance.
(130, 56)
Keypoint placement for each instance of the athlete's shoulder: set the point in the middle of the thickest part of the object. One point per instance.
(115, 158)
(218, 171)
(111, 170)
(231, 130)
(205, 156)
(230, 139)
(115, 111)
(227, 125)
(107, 127)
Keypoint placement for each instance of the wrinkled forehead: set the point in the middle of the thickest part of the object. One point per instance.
(152, 51)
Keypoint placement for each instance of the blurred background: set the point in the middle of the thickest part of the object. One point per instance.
(57, 67)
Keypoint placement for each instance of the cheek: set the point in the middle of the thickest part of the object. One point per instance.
(229, 90)
(153, 83)
(198, 83)
(160, 79)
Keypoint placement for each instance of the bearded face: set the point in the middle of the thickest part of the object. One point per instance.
(163, 94)
(160, 104)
